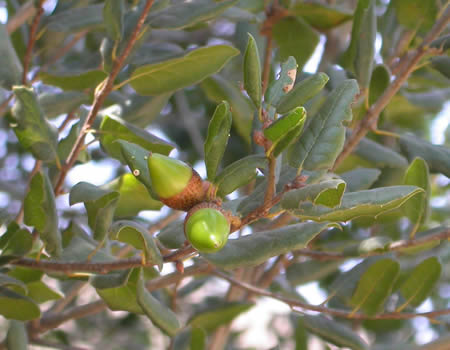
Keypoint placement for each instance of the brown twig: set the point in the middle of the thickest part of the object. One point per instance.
(32, 41)
(102, 92)
(267, 62)
(296, 304)
(406, 67)
(25, 12)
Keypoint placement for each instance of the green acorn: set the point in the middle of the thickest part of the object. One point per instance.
(207, 227)
(178, 185)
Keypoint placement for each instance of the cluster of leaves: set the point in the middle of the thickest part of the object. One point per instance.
(383, 210)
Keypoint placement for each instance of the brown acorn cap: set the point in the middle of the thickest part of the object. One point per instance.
(235, 222)
(193, 193)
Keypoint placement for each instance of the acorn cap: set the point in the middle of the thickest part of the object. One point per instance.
(176, 183)
(207, 228)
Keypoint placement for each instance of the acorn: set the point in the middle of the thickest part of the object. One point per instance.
(207, 227)
(176, 183)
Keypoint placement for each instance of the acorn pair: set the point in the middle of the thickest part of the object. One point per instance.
(180, 187)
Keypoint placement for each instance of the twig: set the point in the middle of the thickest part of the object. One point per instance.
(60, 305)
(25, 12)
(102, 92)
(267, 61)
(270, 190)
(296, 304)
(406, 67)
(32, 41)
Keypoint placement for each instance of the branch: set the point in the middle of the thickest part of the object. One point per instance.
(405, 68)
(102, 92)
(296, 304)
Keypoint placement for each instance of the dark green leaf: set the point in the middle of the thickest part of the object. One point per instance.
(40, 292)
(321, 17)
(301, 47)
(177, 73)
(375, 286)
(16, 240)
(143, 110)
(238, 174)
(17, 307)
(100, 205)
(113, 11)
(257, 248)
(300, 336)
(11, 68)
(113, 129)
(441, 64)
(158, 313)
(187, 14)
(32, 129)
(285, 130)
(362, 203)
(223, 315)
(218, 89)
(252, 71)
(302, 92)
(76, 19)
(217, 138)
(190, 339)
(309, 271)
(134, 196)
(323, 138)
(334, 332)
(75, 81)
(437, 157)
(380, 155)
(6, 281)
(40, 212)
(56, 104)
(17, 337)
(360, 178)
(420, 282)
(172, 236)
(132, 233)
(328, 193)
(416, 14)
(280, 87)
(379, 82)
(66, 144)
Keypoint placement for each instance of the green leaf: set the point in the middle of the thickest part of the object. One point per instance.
(11, 68)
(300, 335)
(301, 47)
(190, 339)
(285, 130)
(302, 92)
(113, 12)
(172, 236)
(100, 205)
(308, 271)
(76, 19)
(66, 144)
(74, 81)
(40, 212)
(416, 14)
(362, 203)
(123, 295)
(159, 314)
(32, 129)
(188, 14)
(40, 292)
(252, 71)
(218, 89)
(327, 193)
(278, 88)
(256, 248)
(379, 82)
(321, 17)
(177, 73)
(143, 110)
(334, 332)
(15, 241)
(441, 64)
(113, 129)
(375, 286)
(416, 208)
(134, 196)
(323, 138)
(6, 280)
(437, 157)
(360, 178)
(56, 104)
(17, 307)
(138, 236)
(238, 174)
(420, 282)
(217, 138)
(17, 337)
(379, 155)
(220, 316)
(365, 46)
